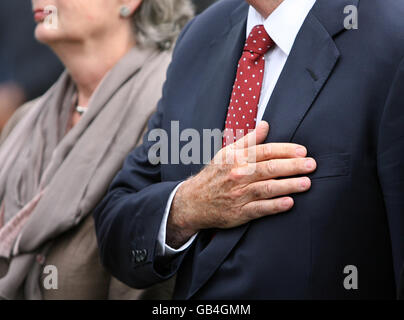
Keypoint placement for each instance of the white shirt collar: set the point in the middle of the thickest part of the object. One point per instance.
(284, 23)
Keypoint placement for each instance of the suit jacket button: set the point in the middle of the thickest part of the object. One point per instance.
(140, 255)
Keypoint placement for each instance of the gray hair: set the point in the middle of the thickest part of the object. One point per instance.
(158, 23)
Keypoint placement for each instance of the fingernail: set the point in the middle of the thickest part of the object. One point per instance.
(310, 164)
(287, 203)
(301, 152)
(304, 183)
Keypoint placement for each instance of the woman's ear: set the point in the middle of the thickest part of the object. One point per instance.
(129, 7)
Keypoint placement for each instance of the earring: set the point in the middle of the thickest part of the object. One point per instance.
(124, 11)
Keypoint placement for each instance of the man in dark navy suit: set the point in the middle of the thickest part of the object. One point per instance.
(318, 212)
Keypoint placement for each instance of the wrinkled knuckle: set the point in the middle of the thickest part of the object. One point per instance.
(256, 192)
(267, 151)
(234, 175)
(237, 194)
(243, 154)
(271, 167)
(237, 156)
(259, 208)
(269, 189)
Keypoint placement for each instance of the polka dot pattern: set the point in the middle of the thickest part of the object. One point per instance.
(243, 107)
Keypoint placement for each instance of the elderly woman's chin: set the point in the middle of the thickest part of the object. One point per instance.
(46, 35)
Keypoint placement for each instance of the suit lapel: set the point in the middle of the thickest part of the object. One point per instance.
(307, 69)
(310, 64)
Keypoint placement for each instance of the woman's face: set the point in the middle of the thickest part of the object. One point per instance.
(76, 20)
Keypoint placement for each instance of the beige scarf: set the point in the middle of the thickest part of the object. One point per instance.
(50, 181)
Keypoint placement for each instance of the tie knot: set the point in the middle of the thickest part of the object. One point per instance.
(259, 41)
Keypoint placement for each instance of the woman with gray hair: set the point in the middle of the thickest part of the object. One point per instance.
(61, 151)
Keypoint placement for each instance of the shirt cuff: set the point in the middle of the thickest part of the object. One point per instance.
(164, 249)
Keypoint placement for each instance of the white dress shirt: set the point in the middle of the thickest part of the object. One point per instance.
(283, 26)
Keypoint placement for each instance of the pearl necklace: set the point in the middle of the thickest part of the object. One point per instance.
(81, 110)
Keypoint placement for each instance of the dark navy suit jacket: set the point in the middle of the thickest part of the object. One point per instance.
(341, 94)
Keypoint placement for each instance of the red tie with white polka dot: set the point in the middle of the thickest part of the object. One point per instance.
(243, 108)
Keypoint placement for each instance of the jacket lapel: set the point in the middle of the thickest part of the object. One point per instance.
(310, 64)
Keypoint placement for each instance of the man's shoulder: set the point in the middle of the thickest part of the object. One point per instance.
(383, 19)
(381, 29)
